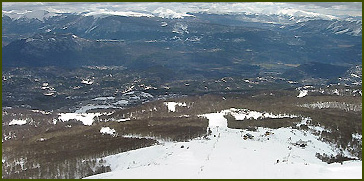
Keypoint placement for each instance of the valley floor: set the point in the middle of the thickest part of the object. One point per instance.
(271, 153)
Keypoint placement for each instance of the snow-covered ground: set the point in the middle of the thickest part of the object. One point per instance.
(303, 93)
(107, 130)
(172, 105)
(17, 122)
(242, 114)
(271, 153)
(85, 118)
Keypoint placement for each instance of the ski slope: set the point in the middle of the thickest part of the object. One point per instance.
(227, 155)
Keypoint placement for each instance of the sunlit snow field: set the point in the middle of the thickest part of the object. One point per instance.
(271, 153)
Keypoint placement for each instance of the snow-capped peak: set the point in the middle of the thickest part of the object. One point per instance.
(170, 14)
(301, 13)
(30, 14)
(103, 12)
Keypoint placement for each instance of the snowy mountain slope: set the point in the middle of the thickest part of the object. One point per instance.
(334, 27)
(93, 83)
(181, 9)
(40, 15)
(84, 23)
(271, 153)
(188, 38)
(137, 41)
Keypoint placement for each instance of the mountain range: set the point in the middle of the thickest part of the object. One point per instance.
(128, 90)
(197, 42)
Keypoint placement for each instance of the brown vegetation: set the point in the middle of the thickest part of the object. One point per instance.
(73, 152)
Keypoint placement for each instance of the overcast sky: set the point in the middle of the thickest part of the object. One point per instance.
(323, 8)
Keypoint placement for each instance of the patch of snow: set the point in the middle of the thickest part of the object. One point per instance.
(104, 12)
(193, 39)
(103, 98)
(50, 93)
(42, 112)
(342, 31)
(164, 24)
(135, 97)
(21, 163)
(357, 136)
(107, 130)
(87, 82)
(151, 41)
(319, 129)
(29, 40)
(9, 136)
(357, 31)
(129, 93)
(354, 75)
(122, 120)
(84, 109)
(146, 95)
(172, 105)
(89, 30)
(306, 121)
(303, 93)
(242, 114)
(85, 118)
(18, 122)
(139, 136)
(308, 87)
(184, 116)
(216, 121)
(336, 92)
(121, 102)
(336, 105)
(180, 28)
(292, 82)
(170, 14)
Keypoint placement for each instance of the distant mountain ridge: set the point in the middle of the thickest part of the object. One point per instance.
(203, 42)
(43, 21)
